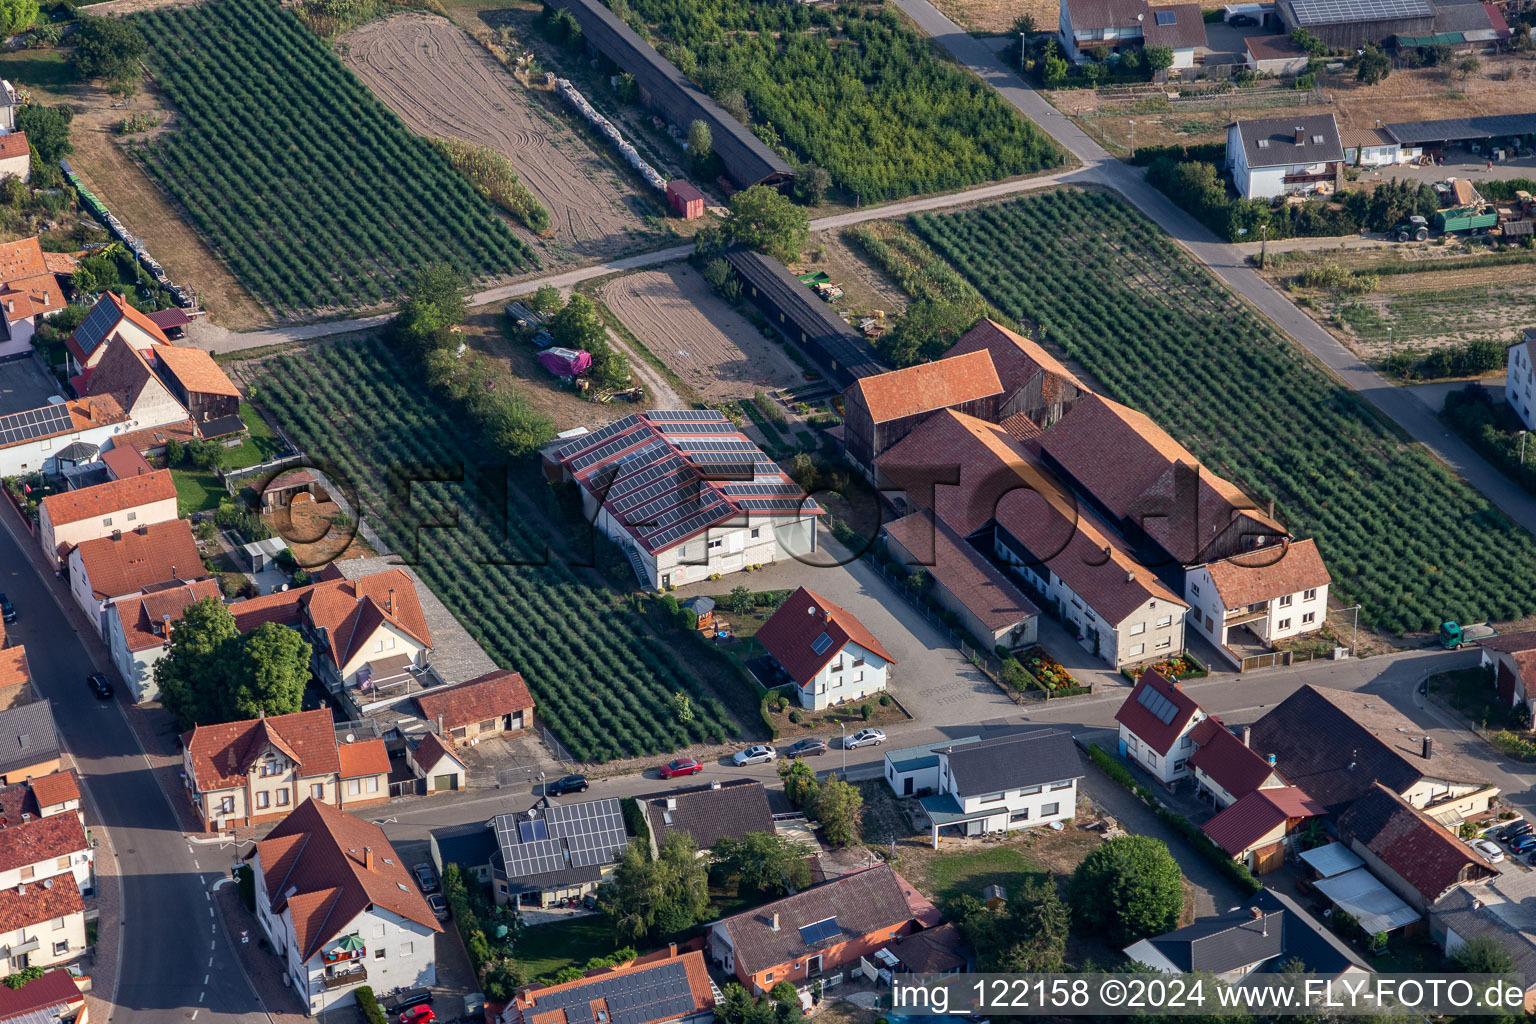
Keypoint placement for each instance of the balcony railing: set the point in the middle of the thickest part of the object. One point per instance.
(341, 979)
(1307, 179)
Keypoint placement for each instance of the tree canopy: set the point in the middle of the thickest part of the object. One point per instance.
(840, 809)
(926, 331)
(1028, 935)
(764, 220)
(651, 899)
(47, 131)
(17, 15)
(109, 48)
(737, 1006)
(763, 862)
(579, 325)
(214, 674)
(435, 303)
(1372, 65)
(1127, 889)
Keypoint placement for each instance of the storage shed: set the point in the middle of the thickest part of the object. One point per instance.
(686, 200)
(912, 770)
(1353, 23)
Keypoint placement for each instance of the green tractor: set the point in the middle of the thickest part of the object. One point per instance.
(1416, 228)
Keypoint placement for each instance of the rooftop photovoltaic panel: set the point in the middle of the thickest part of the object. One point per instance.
(677, 504)
(766, 468)
(721, 468)
(565, 836)
(643, 455)
(690, 526)
(1338, 12)
(695, 505)
(651, 492)
(723, 427)
(813, 933)
(1165, 17)
(35, 423)
(528, 831)
(656, 993)
(821, 643)
(707, 444)
(763, 489)
(1161, 707)
(93, 329)
(586, 441)
(627, 483)
(771, 504)
(607, 451)
(662, 415)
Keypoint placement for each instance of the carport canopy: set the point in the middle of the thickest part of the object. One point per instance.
(1462, 129)
(1332, 859)
(1363, 895)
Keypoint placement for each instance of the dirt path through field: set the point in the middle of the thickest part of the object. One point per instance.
(695, 332)
(442, 83)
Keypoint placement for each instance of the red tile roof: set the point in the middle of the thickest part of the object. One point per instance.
(84, 413)
(151, 438)
(1238, 827)
(927, 386)
(56, 988)
(125, 462)
(364, 757)
(1235, 768)
(41, 840)
(122, 372)
(13, 667)
(526, 1007)
(1415, 847)
(350, 611)
(1146, 726)
(124, 310)
(960, 569)
(140, 616)
(1016, 359)
(1269, 573)
(47, 900)
(196, 370)
(105, 499)
(799, 622)
(312, 865)
(27, 273)
(14, 144)
(165, 319)
(22, 258)
(476, 700)
(117, 566)
(222, 755)
(56, 788)
(431, 750)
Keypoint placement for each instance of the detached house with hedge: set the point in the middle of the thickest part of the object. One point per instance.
(828, 653)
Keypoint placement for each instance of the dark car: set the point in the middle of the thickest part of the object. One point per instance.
(438, 905)
(1523, 844)
(7, 610)
(425, 877)
(806, 748)
(405, 1000)
(100, 686)
(1515, 830)
(1242, 21)
(569, 784)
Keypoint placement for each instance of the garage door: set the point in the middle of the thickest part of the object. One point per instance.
(442, 783)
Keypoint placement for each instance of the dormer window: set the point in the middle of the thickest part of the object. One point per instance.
(1263, 143)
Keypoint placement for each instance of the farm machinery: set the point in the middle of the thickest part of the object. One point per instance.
(1453, 637)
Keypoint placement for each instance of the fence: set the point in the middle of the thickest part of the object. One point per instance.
(232, 477)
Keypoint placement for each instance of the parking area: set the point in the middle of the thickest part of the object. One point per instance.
(1227, 38)
(24, 385)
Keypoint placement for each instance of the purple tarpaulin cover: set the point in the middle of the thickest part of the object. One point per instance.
(565, 362)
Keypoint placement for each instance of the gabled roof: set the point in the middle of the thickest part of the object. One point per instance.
(56, 788)
(1032, 756)
(196, 370)
(925, 387)
(313, 866)
(1271, 141)
(1417, 849)
(105, 499)
(33, 425)
(363, 757)
(26, 272)
(476, 700)
(793, 635)
(1335, 744)
(1252, 817)
(222, 755)
(858, 904)
(56, 988)
(104, 318)
(1157, 711)
(1176, 26)
(1016, 359)
(664, 986)
(709, 814)
(812, 317)
(1222, 756)
(122, 373)
(1511, 643)
(1216, 944)
(14, 670)
(1309, 13)
(42, 840)
(14, 144)
(139, 558)
(349, 611)
(962, 570)
(142, 616)
(1268, 573)
(1092, 14)
(431, 750)
(32, 904)
(151, 438)
(27, 736)
(124, 462)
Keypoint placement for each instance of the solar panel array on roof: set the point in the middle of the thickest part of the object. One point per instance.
(719, 468)
(586, 441)
(94, 328)
(657, 993)
(567, 835)
(34, 423)
(722, 427)
(813, 933)
(669, 508)
(607, 451)
(631, 482)
(697, 505)
(765, 488)
(1161, 707)
(771, 504)
(529, 831)
(689, 444)
(1339, 12)
(718, 513)
(661, 415)
(651, 492)
(821, 643)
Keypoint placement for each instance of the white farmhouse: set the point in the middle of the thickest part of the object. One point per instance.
(1018, 780)
(1374, 147)
(1278, 155)
(29, 278)
(1272, 593)
(139, 631)
(826, 652)
(127, 562)
(1117, 25)
(1520, 378)
(340, 908)
(1155, 725)
(67, 519)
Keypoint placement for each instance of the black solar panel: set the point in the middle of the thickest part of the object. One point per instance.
(35, 423)
(821, 643)
(814, 933)
(765, 488)
(696, 505)
(628, 483)
(607, 451)
(1161, 707)
(766, 468)
(771, 504)
(716, 467)
(662, 415)
(651, 492)
(586, 441)
(657, 993)
(93, 329)
(673, 534)
(689, 498)
(723, 428)
(1337, 12)
(565, 836)
(689, 444)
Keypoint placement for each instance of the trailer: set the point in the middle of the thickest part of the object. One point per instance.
(1475, 219)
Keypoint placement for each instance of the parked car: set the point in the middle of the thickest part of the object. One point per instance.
(405, 1000)
(439, 906)
(1512, 832)
(7, 610)
(1490, 850)
(418, 1015)
(806, 748)
(569, 784)
(100, 685)
(682, 766)
(760, 754)
(1522, 845)
(425, 877)
(865, 738)
(1242, 21)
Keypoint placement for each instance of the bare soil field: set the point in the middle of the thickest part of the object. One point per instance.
(309, 529)
(995, 17)
(865, 286)
(444, 84)
(697, 334)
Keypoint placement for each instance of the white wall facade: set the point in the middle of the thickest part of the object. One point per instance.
(77, 863)
(1012, 808)
(20, 166)
(1076, 39)
(1373, 156)
(1223, 797)
(1166, 768)
(20, 341)
(386, 642)
(1284, 616)
(1520, 384)
(148, 514)
(853, 674)
(136, 667)
(38, 456)
(57, 940)
(1184, 57)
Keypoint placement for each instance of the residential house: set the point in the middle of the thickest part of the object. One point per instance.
(56, 996)
(687, 496)
(485, 706)
(815, 933)
(46, 795)
(1370, 147)
(1417, 857)
(1520, 378)
(1018, 780)
(828, 654)
(123, 372)
(555, 851)
(1266, 937)
(67, 518)
(1156, 721)
(1275, 156)
(29, 744)
(708, 814)
(34, 851)
(340, 908)
(122, 565)
(1113, 26)
(1336, 744)
(41, 923)
(1499, 910)
(471, 846)
(882, 409)
(139, 630)
(1255, 828)
(1226, 768)
(1271, 594)
(198, 383)
(29, 283)
(31, 441)
(112, 317)
(1038, 389)
(436, 764)
(1276, 55)
(238, 773)
(15, 156)
(664, 987)
(1510, 660)
(15, 677)
(914, 771)
(123, 463)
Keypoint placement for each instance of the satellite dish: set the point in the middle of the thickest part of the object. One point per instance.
(351, 737)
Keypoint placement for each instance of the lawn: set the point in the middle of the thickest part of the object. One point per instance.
(262, 444)
(955, 874)
(547, 949)
(46, 69)
(197, 490)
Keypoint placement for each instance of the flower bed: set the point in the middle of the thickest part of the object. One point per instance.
(1185, 666)
(1048, 671)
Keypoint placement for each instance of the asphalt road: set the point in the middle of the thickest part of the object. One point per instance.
(174, 957)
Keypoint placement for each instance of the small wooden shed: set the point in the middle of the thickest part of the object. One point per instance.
(686, 200)
(995, 897)
(704, 608)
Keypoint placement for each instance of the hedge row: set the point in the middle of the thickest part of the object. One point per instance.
(369, 1005)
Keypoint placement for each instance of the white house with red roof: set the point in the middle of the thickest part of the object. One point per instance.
(1275, 592)
(687, 496)
(139, 631)
(111, 317)
(70, 517)
(1228, 768)
(828, 654)
(15, 156)
(29, 285)
(122, 371)
(1254, 829)
(126, 563)
(1156, 722)
(340, 908)
(31, 441)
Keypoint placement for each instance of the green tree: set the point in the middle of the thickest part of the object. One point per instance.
(1023, 25)
(1483, 955)
(1159, 58)
(213, 674)
(799, 784)
(546, 300)
(1468, 65)
(840, 809)
(740, 600)
(1029, 935)
(811, 185)
(701, 142)
(47, 131)
(1055, 71)
(13, 191)
(95, 273)
(764, 220)
(647, 898)
(435, 303)
(1127, 889)
(503, 977)
(762, 862)
(271, 669)
(738, 1007)
(1309, 43)
(17, 16)
(926, 330)
(109, 49)
(1372, 65)
(579, 326)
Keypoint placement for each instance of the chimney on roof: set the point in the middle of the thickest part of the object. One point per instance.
(1301, 136)
(45, 296)
(117, 534)
(1429, 748)
(439, 725)
(1247, 736)
(1130, 576)
(1271, 508)
(775, 925)
(671, 803)
(142, 530)
(1271, 760)
(391, 606)
(1255, 913)
(671, 949)
(368, 858)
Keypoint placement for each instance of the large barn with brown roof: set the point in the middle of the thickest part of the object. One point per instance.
(882, 409)
(1418, 857)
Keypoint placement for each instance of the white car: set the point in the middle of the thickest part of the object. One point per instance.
(864, 738)
(761, 754)
(1490, 851)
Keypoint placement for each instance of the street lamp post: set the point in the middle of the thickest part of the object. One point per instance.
(1133, 139)
(843, 730)
(1263, 243)
(1389, 344)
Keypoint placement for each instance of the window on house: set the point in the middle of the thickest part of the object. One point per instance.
(1166, 620)
(1308, 617)
(1061, 785)
(107, 521)
(28, 873)
(1194, 588)
(1310, 594)
(263, 799)
(1050, 809)
(378, 646)
(1263, 143)
(488, 725)
(282, 797)
(354, 787)
(1029, 791)
(768, 976)
(58, 923)
(1138, 629)
(317, 791)
(757, 531)
(406, 948)
(1137, 649)
(1178, 765)
(1285, 624)
(1285, 602)
(378, 954)
(1151, 759)
(228, 806)
(378, 931)
(61, 863)
(1163, 644)
(61, 948)
(994, 798)
(1185, 743)
(372, 784)
(1076, 603)
(132, 516)
(717, 542)
(1019, 815)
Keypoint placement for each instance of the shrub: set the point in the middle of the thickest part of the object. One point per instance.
(796, 717)
(668, 605)
(885, 700)
(369, 1005)
(634, 820)
(867, 710)
(1129, 888)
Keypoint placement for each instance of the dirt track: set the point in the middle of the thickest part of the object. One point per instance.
(694, 331)
(444, 84)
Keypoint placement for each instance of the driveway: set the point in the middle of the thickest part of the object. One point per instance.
(23, 386)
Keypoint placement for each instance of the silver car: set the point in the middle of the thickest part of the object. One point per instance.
(760, 754)
(865, 738)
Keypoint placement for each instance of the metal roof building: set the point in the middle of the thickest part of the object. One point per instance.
(1353, 23)
(1462, 129)
(747, 160)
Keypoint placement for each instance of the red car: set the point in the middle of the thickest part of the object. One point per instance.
(418, 1015)
(684, 766)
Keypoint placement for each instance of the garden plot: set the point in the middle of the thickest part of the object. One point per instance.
(1424, 317)
(442, 83)
(697, 333)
